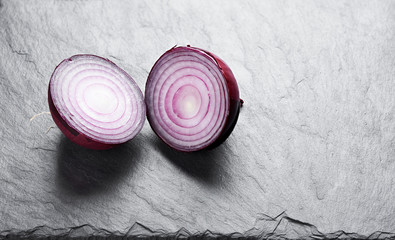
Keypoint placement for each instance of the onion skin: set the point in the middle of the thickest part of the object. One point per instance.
(234, 102)
(77, 136)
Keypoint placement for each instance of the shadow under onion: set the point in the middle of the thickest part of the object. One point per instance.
(208, 167)
(83, 171)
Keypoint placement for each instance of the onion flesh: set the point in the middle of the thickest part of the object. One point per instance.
(94, 102)
(192, 99)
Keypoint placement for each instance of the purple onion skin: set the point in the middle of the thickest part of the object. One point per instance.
(72, 134)
(234, 103)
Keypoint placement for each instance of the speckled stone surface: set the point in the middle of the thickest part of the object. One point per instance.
(315, 138)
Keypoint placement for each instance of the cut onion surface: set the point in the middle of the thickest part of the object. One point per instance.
(94, 102)
(192, 99)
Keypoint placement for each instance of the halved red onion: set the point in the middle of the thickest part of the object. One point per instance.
(94, 102)
(192, 99)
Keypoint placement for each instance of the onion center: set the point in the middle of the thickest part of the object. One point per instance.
(186, 102)
(101, 98)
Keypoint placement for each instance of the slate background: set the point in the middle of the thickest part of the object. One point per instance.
(315, 138)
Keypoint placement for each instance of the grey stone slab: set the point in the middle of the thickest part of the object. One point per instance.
(315, 138)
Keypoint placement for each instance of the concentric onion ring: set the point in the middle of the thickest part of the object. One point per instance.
(94, 102)
(192, 99)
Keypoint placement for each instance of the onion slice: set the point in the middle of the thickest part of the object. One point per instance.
(192, 99)
(94, 102)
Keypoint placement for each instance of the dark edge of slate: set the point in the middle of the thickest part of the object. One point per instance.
(266, 227)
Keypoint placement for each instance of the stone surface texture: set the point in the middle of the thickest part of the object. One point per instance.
(315, 138)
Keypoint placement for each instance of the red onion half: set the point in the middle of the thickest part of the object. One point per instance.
(192, 99)
(94, 102)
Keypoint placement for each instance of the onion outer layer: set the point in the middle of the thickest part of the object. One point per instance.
(226, 79)
(91, 129)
